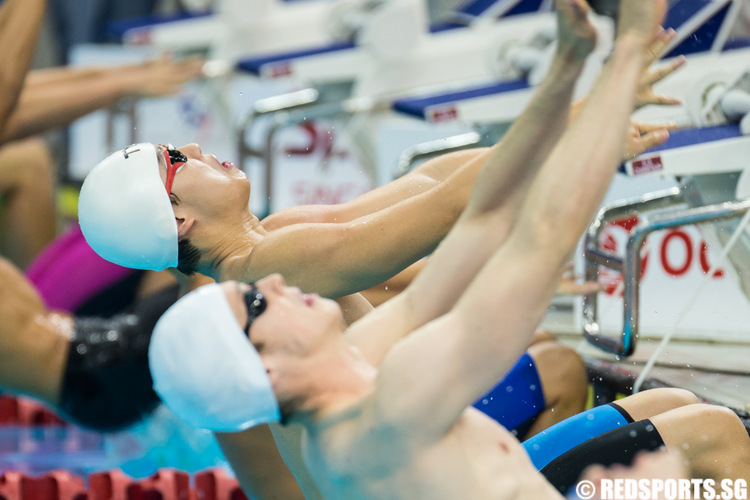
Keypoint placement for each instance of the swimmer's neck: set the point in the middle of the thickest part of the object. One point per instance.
(230, 258)
(333, 384)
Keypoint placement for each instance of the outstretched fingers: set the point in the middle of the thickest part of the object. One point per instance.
(644, 136)
(659, 45)
(645, 94)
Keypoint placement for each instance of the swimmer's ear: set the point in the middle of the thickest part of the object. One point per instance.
(183, 225)
(184, 220)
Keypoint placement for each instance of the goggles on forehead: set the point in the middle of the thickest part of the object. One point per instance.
(255, 303)
(174, 160)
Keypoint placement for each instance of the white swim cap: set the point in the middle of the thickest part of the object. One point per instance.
(125, 213)
(204, 367)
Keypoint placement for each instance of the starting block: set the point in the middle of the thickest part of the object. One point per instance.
(712, 163)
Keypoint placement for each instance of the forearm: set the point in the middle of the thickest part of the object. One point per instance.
(500, 191)
(583, 163)
(45, 107)
(516, 160)
(562, 198)
(583, 160)
(20, 21)
(62, 74)
(459, 169)
(518, 156)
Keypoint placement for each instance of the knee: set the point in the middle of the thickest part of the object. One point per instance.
(714, 427)
(674, 397)
(560, 368)
(559, 360)
(38, 167)
(724, 421)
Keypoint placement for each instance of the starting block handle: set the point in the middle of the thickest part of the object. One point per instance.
(594, 257)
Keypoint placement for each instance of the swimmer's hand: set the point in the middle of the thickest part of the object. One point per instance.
(645, 94)
(569, 283)
(644, 136)
(576, 36)
(164, 76)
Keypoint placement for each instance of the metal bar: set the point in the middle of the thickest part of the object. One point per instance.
(430, 149)
(604, 258)
(624, 208)
(632, 268)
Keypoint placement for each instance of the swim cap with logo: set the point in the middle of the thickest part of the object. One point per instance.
(125, 213)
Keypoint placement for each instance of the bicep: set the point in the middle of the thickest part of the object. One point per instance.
(424, 382)
(305, 254)
(340, 259)
(303, 214)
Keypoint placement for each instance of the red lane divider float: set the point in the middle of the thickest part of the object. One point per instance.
(165, 484)
(19, 410)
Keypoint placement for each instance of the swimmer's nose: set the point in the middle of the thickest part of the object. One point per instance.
(273, 282)
(192, 150)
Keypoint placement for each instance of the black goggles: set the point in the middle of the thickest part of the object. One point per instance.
(255, 303)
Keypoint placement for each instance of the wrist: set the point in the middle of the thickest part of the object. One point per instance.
(128, 83)
(566, 68)
(631, 44)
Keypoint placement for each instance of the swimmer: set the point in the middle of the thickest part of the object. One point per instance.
(222, 239)
(385, 402)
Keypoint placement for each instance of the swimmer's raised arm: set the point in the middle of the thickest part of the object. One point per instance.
(458, 167)
(508, 170)
(473, 345)
(463, 166)
(338, 259)
(61, 97)
(20, 22)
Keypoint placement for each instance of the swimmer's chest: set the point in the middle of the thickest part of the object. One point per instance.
(476, 455)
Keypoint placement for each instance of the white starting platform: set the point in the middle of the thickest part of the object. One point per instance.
(693, 330)
(389, 59)
(702, 28)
